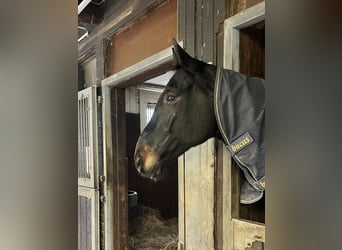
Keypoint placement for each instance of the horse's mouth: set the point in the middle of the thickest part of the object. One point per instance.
(156, 174)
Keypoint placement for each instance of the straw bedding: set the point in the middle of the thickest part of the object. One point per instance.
(148, 230)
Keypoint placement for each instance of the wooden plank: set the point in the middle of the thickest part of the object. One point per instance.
(108, 168)
(228, 209)
(219, 47)
(143, 38)
(120, 209)
(190, 27)
(181, 17)
(246, 232)
(199, 29)
(181, 202)
(219, 13)
(101, 49)
(143, 70)
(236, 6)
(219, 197)
(199, 196)
(257, 245)
(208, 38)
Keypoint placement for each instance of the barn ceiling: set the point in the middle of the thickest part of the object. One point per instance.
(91, 14)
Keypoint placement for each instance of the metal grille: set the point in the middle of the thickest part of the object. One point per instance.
(84, 223)
(149, 110)
(84, 152)
(87, 154)
(88, 219)
(88, 201)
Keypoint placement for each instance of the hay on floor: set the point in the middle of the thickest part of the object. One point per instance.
(148, 230)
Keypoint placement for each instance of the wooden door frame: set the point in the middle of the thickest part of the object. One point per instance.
(147, 68)
(113, 113)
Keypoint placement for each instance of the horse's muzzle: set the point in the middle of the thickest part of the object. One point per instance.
(147, 162)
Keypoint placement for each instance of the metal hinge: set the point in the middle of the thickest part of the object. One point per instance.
(102, 179)
(100, 99)
(102, 198)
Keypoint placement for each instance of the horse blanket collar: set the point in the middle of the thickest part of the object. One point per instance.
(240, 111)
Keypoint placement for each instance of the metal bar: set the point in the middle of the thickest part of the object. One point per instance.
(86, 135)
(82, 139)
(82, 5)
(79, 140)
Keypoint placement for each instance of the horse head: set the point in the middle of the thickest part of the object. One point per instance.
(183, 117)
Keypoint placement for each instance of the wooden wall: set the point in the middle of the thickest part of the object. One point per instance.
(143, 38)
(199, 22)
(236, 6)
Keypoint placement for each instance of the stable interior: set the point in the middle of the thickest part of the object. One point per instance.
(153, 219)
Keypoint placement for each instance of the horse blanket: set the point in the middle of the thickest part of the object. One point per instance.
(240, 113)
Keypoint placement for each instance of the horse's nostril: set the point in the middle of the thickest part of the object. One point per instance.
(138, 163)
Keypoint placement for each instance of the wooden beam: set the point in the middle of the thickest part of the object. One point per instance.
(107, 170)
(120, 202)
(143, 38)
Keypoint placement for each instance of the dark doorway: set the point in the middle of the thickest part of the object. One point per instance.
(252, 63)
(153, 222)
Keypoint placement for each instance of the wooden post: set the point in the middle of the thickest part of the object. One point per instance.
(120, 203)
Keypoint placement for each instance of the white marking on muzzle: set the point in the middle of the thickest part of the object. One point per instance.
(149, 158)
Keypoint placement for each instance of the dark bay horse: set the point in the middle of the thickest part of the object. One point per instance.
(187, 114)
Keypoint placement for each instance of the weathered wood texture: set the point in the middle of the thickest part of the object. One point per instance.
(256, 245)
(236, 6)
(245, 233)
(120, 203)
(198, 23)
(143, 38)
(199, 196)
(181, 203)
(218, 244)
(100, 61)
(108, 171)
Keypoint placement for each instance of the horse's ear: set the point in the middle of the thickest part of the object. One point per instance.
(183, 59)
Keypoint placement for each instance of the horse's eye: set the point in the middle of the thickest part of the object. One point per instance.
(170, 98)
